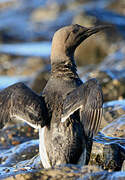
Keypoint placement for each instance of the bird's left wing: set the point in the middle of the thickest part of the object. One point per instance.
(88, 100)
(21, 103)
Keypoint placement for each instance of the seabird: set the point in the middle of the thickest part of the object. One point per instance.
(68, 113)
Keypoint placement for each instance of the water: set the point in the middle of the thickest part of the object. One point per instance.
(39, 49)
(6, 81)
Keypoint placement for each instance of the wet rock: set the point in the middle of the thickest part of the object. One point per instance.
(73, 173)
(116, 128)
(113, 88)
(22, 66)
(96, 157)
(108, 149)
(5, 62)
(112, 110)
(26, 166)
(13, 135)
(15, 156)
(63, 172)
(107, 152)
(105, 176)
(114, 155)
(21, 69)
(111, 75)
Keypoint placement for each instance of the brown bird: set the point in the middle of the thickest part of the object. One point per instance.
(68, 113)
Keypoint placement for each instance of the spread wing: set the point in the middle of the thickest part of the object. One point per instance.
(88, 100)
(21, 103)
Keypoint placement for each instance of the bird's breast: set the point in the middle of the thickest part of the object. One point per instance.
(42, 149)
(61, 144)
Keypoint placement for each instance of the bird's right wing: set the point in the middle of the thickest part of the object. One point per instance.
(21, 103)
(88, 100)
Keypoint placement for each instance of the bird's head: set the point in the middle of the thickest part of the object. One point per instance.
(68, 38)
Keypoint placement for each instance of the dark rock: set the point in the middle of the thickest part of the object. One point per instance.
(114, 155)
(108, 149)
(109, 153)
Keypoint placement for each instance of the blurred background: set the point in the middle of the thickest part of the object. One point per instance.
(27, 28)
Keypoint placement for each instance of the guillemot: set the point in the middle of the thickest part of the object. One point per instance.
(68, 113)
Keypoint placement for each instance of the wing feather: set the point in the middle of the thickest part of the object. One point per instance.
(88, 99)
(21, 103)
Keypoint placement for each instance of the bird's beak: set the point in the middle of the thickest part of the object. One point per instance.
(96, 29)
(84, 33)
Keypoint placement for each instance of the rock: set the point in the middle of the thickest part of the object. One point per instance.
(108, 153)
(111, 75)
(71, 172)
(20, 133)
(116, 128)
(108, 149)
(114, 155)
(104, 175)
(113, 88)
(112, 111)
(63, 172)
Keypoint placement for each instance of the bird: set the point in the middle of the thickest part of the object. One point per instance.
(68, 112)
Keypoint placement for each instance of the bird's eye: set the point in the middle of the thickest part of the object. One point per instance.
(75, 30)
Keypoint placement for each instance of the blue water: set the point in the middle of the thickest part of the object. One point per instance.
(39, 49)
(7, 80)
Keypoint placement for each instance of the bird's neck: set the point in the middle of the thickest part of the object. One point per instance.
(63, 66)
